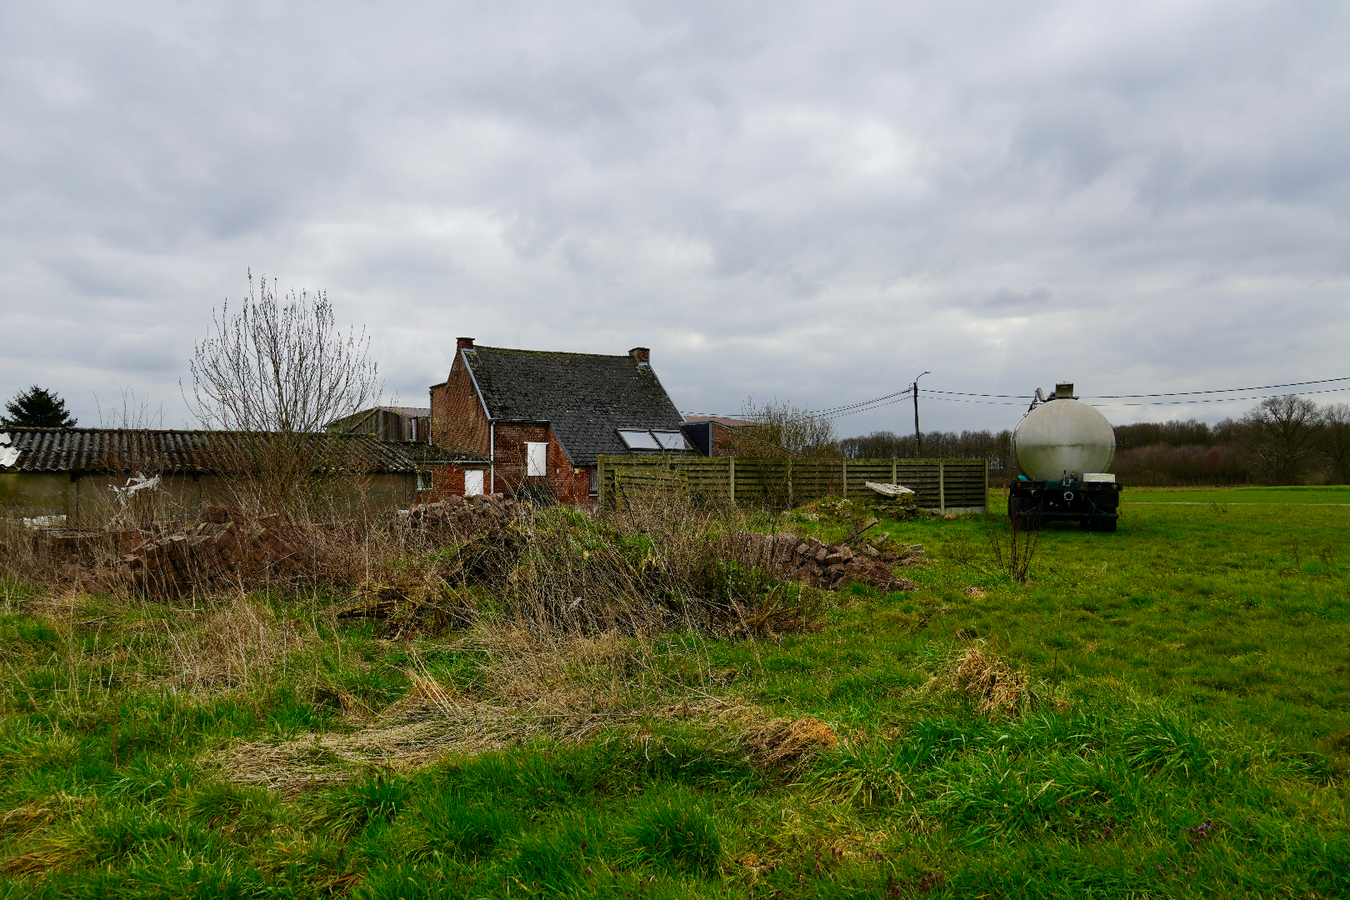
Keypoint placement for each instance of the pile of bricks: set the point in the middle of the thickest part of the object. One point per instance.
(829, 566)
(83, 546)
(208, 555)
(456, 517)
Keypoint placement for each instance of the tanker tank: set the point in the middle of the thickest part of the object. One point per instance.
(1062, 439)
(1064, 448)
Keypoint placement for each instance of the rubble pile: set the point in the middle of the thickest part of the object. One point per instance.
(83, 545)
(456, 517)
(893, 500)
(829, 566)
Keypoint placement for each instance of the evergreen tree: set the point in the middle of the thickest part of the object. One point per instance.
(37, 408)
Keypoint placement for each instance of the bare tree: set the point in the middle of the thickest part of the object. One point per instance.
(1283, 433)
(1334, 441)
(277, 371)
(797, 431)
(280, 366)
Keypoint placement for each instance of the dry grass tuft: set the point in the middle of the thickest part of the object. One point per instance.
(18, 560)
(979, 674)
(788, 743)
(236, 642)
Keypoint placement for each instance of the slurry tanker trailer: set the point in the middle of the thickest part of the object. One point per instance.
(1064, 447)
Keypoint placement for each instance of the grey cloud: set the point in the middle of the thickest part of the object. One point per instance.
(1011, 301)
(813, 202)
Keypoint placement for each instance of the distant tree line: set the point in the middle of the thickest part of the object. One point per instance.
(1284, 440)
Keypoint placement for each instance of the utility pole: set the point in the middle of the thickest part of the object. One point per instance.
(918, 440)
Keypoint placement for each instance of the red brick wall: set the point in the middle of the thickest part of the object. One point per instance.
(568, 486)
(457, 419)
(448, 480)
(510, 447)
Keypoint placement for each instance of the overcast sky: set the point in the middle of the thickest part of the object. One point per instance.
(812, 202)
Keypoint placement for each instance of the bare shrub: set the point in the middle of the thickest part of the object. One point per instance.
(1014, 551)
(780, 425)
(275, 373)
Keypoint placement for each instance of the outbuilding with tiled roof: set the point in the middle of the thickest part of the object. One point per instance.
(79, 473)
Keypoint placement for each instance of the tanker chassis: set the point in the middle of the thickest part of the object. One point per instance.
(1091, 503)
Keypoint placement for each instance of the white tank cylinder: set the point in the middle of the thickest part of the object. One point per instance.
(1064, 438)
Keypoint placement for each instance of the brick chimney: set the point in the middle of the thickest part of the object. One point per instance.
(641, 355)
(463, 344)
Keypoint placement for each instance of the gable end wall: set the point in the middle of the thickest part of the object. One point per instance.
(457, 418)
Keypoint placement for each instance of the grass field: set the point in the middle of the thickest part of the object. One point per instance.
(1159, 712)
(1337, 495)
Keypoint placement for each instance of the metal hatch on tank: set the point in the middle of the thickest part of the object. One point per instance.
(1063, 448)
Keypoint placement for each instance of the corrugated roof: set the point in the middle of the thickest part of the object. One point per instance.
(411, 411)
(585, 397)
(430, 454)
(120, 450)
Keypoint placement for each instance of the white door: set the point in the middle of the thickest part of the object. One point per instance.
(473, 482)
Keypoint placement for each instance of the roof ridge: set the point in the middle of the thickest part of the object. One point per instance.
(553, 352)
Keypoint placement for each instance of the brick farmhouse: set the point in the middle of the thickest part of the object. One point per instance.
(542, 419)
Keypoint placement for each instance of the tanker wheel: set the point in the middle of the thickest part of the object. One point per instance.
(1102, 523)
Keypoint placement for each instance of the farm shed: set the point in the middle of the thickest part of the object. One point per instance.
(542, 419)
(72, 472)
(403, 424)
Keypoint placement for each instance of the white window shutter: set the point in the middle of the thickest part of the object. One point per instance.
(536, 459)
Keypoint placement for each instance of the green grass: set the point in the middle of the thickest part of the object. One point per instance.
(1184, 731)
(1317, 495)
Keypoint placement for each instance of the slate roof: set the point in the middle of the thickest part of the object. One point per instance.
(118, 450)
(585, 397)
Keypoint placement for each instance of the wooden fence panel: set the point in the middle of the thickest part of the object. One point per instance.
(950, 485)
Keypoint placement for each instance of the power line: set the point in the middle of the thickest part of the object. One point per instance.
(900, 399)
(1220, 399)
(967, 394)
(1259, 387)
(836, 410)
(849, 409)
